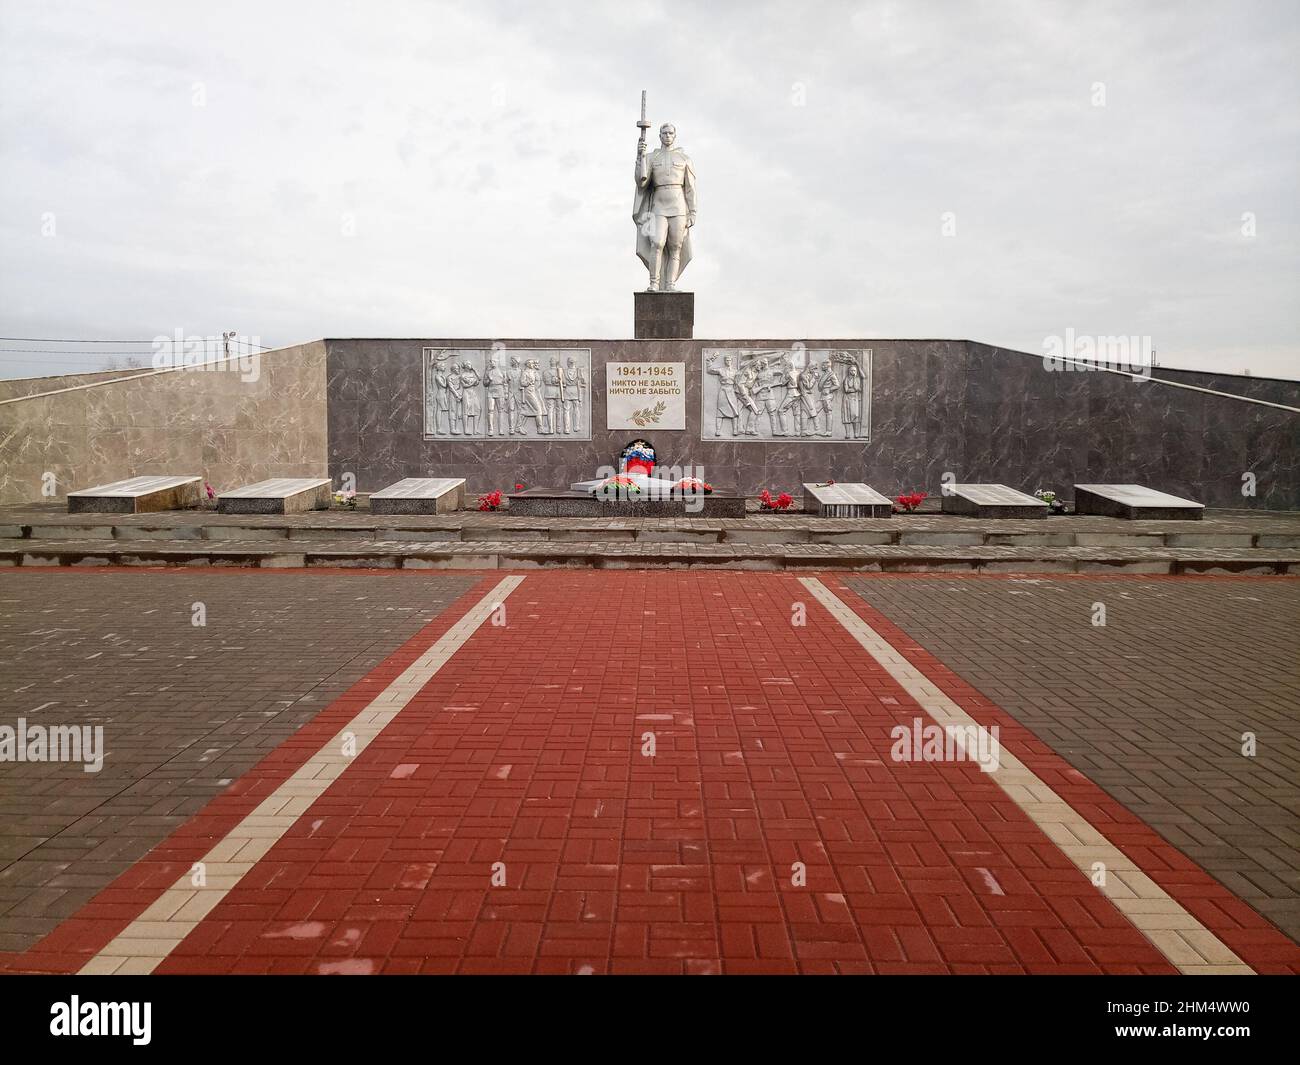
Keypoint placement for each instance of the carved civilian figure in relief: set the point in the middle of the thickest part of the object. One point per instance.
(531, 399)
(728, 409)
(664, 209)
(441, 399)
(851, 399)
(514, 404)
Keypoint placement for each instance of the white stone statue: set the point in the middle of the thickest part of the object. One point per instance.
(664, 207)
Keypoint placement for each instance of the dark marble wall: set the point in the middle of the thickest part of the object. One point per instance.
(937, 406)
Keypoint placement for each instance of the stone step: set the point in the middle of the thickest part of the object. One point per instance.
(883, 533)
(510, 554)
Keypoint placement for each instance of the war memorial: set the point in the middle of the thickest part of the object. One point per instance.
(653, 654)
(483, 433)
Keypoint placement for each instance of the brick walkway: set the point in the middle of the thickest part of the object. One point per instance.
(1152, 705)
(186, 709)
(772, 747)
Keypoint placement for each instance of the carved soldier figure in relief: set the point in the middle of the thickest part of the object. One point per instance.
(575, 386)
(473, 405)
(728, 409)
(551, 395)
(808, 402)
(768, 392)
(827, 385)
(746, 379)
(496, 385)
(514, 404)
(664, 208)
(457, 388)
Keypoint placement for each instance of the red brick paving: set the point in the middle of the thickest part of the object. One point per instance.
(773, 748)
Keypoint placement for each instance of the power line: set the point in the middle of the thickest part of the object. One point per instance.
(97, 354)
(152, 341)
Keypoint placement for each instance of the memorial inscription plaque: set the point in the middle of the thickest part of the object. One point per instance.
(645, 395)
(525, 393)
(821, 394)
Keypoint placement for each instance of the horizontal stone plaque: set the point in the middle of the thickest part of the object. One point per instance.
(137, 495)
(1133, 501)
(278, 495)
(847, 500)
(991, 501)
(501, 392)
(420, 495)
(790, 394)
(645, 395)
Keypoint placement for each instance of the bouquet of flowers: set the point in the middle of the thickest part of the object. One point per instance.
(490, 500)
(782, 502)
(1050, 498)
(909, 502)
(693, 484)
(346, 499)
(618, 485)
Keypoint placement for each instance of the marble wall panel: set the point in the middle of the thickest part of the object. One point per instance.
(974, 410)
(229, 426)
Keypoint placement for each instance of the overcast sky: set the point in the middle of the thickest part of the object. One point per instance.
(297, 170)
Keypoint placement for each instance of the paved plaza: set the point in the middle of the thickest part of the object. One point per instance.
(585, 771)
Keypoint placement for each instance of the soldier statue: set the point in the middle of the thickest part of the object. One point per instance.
(664, 207)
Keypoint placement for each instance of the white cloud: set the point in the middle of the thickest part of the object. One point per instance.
(417, 169)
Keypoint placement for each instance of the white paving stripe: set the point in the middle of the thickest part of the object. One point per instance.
(145, 942)
(1189, 945)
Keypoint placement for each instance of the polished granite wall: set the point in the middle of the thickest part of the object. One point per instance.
(937, 406)
(222, 425)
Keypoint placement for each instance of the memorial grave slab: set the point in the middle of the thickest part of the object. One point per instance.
(1134, 501)
(852, 499)
(138, 495)
(420, 495)
(991, 501)
(279, 495)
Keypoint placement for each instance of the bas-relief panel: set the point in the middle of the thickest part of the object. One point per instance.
(815, 394)
(524, 393)
(935, 406)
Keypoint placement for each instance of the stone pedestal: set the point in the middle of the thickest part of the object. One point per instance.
(663, 315)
